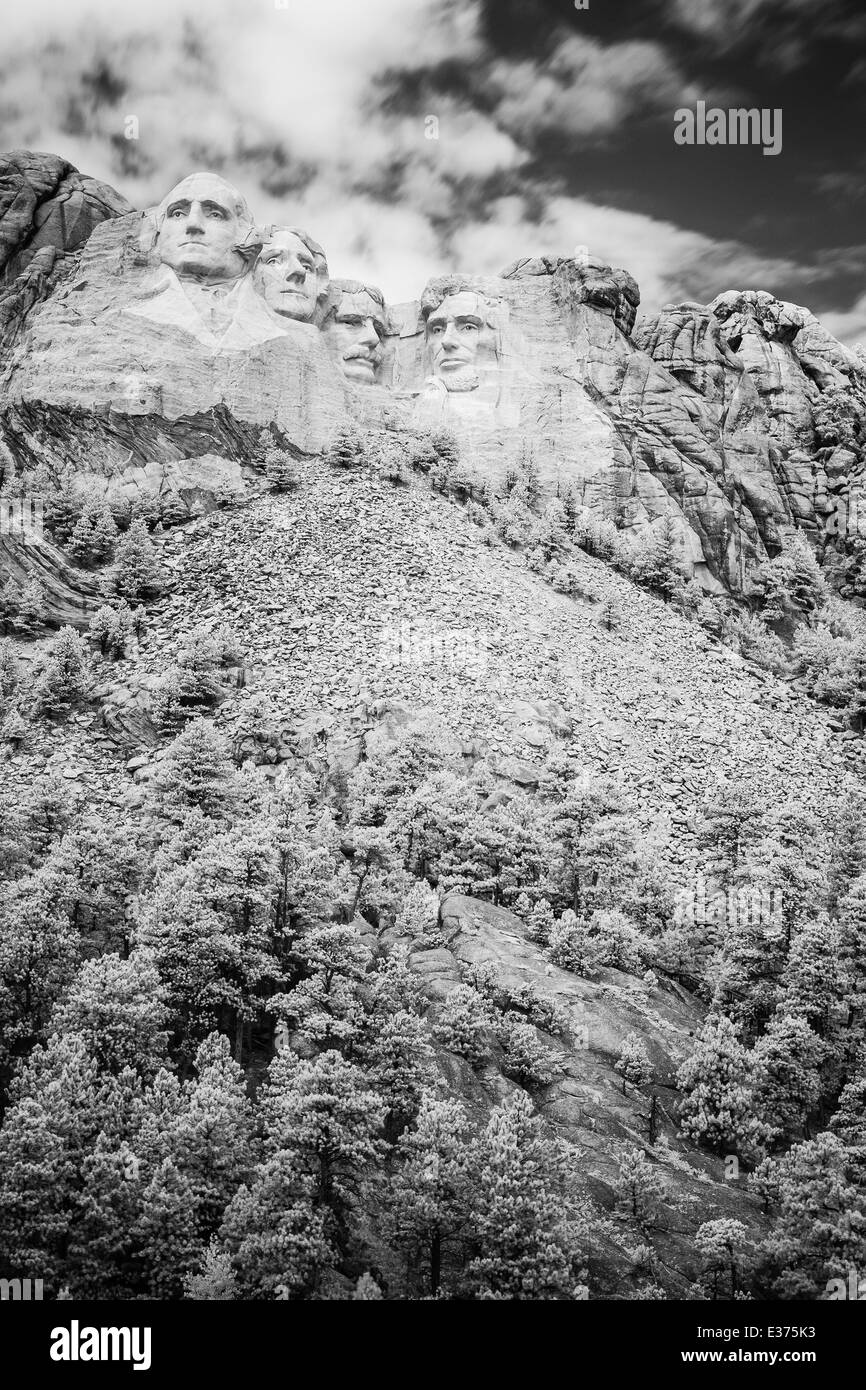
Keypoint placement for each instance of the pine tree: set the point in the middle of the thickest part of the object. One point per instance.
(463, 1024)
(610, 614)
(93, 873)
(65, 1206)
(366, 1289)
(215, 1281)
(852, 947)
(347, 450)
(574, 946)
(64, 677)
(111, 628)
(446, 446)
(10, 601)
(199, 958)
(718, 1082)
(633, 1063)
(847, 847)
(733, 820)
(725, 1250)
(418, 916)
(813, 982)
(136, 572)
(431, 1195)
(818, 1217)
(788, 1057)
(9, 669)
(276, 1235)
(197, 772)
(281, 471)
(117, 1007)
(211, 1136)
(523, 1239)
(849, 1121)
(525, 1059)
(642, 1184)
(539, 920)
(32, 609)
(40, 951)
(95, 533)
(324, 1113)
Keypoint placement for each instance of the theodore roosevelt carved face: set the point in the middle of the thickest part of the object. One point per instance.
(292, 274)
(355, 329)
(201, 226)
(461, 340)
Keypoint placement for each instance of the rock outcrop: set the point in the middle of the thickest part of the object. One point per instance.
(169, 337)
(47, 211)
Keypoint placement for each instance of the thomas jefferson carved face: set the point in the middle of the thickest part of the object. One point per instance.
(201, 224)
(355, 331)
(292, 274)
(460, 338)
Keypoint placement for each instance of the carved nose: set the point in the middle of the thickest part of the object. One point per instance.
(450, 338)
(368, 334)
(295, 272)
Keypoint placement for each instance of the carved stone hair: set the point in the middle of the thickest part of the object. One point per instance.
(341, 287)
(266, 234)
(238, 201)
(437, 291)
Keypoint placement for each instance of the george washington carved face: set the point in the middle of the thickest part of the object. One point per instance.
(461, 340)
(292, 274)
(201, 226)
(355, 330)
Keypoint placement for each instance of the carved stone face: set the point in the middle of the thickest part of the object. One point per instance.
(460, 339)
(292, 278)
(201, 224)
(355, 333)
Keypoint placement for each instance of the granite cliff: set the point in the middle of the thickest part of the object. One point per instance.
(328, 621)
(741, 421)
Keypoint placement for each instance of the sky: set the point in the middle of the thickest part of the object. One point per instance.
(415, 137)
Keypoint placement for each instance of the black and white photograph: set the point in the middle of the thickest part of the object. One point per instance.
(432, 672)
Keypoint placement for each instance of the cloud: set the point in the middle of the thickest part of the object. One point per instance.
(585, 89)
(776, 33)
(848, 325)
(318, 113)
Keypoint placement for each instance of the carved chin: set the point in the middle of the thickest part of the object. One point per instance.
(460, 379)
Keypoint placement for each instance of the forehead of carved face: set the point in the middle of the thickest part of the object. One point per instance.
(201, 223)
(356, 330)
(457, 330)
(290, 276)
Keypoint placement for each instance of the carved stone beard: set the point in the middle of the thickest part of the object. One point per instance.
(461, 380)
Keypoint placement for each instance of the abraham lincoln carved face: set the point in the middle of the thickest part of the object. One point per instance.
(460, 340)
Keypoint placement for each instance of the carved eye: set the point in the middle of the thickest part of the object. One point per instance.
(469, 328)
(218, 214)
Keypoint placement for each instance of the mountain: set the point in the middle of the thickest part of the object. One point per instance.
(353, 588)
